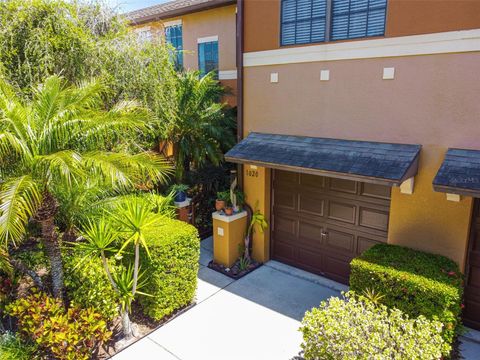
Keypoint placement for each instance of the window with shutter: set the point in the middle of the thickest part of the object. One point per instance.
(173, 35)
(303, 21)
(306, 21)
(358, 18)
(208, 57)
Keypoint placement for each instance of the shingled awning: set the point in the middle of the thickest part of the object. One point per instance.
(459, 173)
(375, 162)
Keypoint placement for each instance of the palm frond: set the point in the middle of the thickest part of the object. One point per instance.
(65, 165)
(19, 200)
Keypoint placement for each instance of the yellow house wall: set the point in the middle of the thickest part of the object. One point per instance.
(256, 185)
(426, 220)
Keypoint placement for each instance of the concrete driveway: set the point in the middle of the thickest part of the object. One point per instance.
(256, 317)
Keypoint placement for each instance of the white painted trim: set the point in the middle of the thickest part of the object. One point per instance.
(228, 218)
(207, 39)
(227, 74)
(439, 43)
(172, 23)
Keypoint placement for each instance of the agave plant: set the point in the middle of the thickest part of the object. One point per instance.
(61, 137)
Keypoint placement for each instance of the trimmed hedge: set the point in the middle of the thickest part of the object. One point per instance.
(352, 328)
(413, 281)
(171, 270)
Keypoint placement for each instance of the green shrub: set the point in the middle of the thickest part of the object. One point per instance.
(352, 328)
(172, 268)
(415, 282)
(14, 348)
(71, 334)
(87, 285)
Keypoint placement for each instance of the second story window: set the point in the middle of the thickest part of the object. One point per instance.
(173, 35)
(208, 57)
(303, 21)
(353, 19)
(311, 21)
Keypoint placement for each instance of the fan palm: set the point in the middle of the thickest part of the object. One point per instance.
(195, 121)
(61, 137)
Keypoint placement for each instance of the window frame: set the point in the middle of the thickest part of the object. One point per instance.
(328, 27)
(203, 43)
(178, 53)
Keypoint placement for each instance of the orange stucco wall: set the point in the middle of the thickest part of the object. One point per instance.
(404, 17)
(433, 101)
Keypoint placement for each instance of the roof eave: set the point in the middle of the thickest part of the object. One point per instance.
(182, 11)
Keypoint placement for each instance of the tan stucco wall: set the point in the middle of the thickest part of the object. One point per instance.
(404, 17)
(219, 21)
(433, 101)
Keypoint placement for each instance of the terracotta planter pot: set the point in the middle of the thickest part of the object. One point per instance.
(229, 211)
(219, 205)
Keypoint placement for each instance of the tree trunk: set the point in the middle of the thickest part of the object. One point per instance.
(45, 216)
(22, 268)
(107, 270)
(52, 246)
(135, 269)
(126, 326)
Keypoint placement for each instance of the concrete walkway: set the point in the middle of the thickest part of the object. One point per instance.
(256, 317)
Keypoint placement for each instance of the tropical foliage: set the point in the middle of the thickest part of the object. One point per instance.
(60, 137)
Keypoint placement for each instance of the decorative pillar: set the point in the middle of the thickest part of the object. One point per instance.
(228, 237)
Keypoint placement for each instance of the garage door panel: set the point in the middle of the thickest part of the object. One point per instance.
(285, 199)
(373, 218)
(311, 204)
(375, 191)
(343, 212)
(285, 225)
(340, 240)
(312, 181)
(344, 186)
(320, 224)
(309, 233)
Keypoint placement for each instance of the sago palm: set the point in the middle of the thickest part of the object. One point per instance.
(61, 137)
(194, 120)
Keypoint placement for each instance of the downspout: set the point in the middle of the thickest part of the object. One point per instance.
(239, 55)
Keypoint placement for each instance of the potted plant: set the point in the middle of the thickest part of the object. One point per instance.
(222, 198)
(180, 191)
(239, 200)
(229, 209)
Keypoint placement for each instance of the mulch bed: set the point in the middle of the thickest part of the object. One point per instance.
(234, 272)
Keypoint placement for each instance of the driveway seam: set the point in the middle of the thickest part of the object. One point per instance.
(306, 278)
(163, 347)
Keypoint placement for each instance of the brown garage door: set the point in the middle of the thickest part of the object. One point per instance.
(472, 286)
(320, 224)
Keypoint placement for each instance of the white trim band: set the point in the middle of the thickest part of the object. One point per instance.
(207, 39)
(439, 43)
(228, 218)
(227, 74)
(172, 23)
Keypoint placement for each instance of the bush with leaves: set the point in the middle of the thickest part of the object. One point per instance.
(72, 334)
(172, 268)
(352, 328)
(413, 281)
(87, 285)
(14, 348)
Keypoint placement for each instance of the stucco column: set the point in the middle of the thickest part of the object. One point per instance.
(256, 184)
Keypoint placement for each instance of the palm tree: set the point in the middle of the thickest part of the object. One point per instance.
(62, 137)
(194, 120)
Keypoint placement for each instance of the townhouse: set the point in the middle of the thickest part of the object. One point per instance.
(360, 124)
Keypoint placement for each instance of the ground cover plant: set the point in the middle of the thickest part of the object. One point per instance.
(415, 282)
